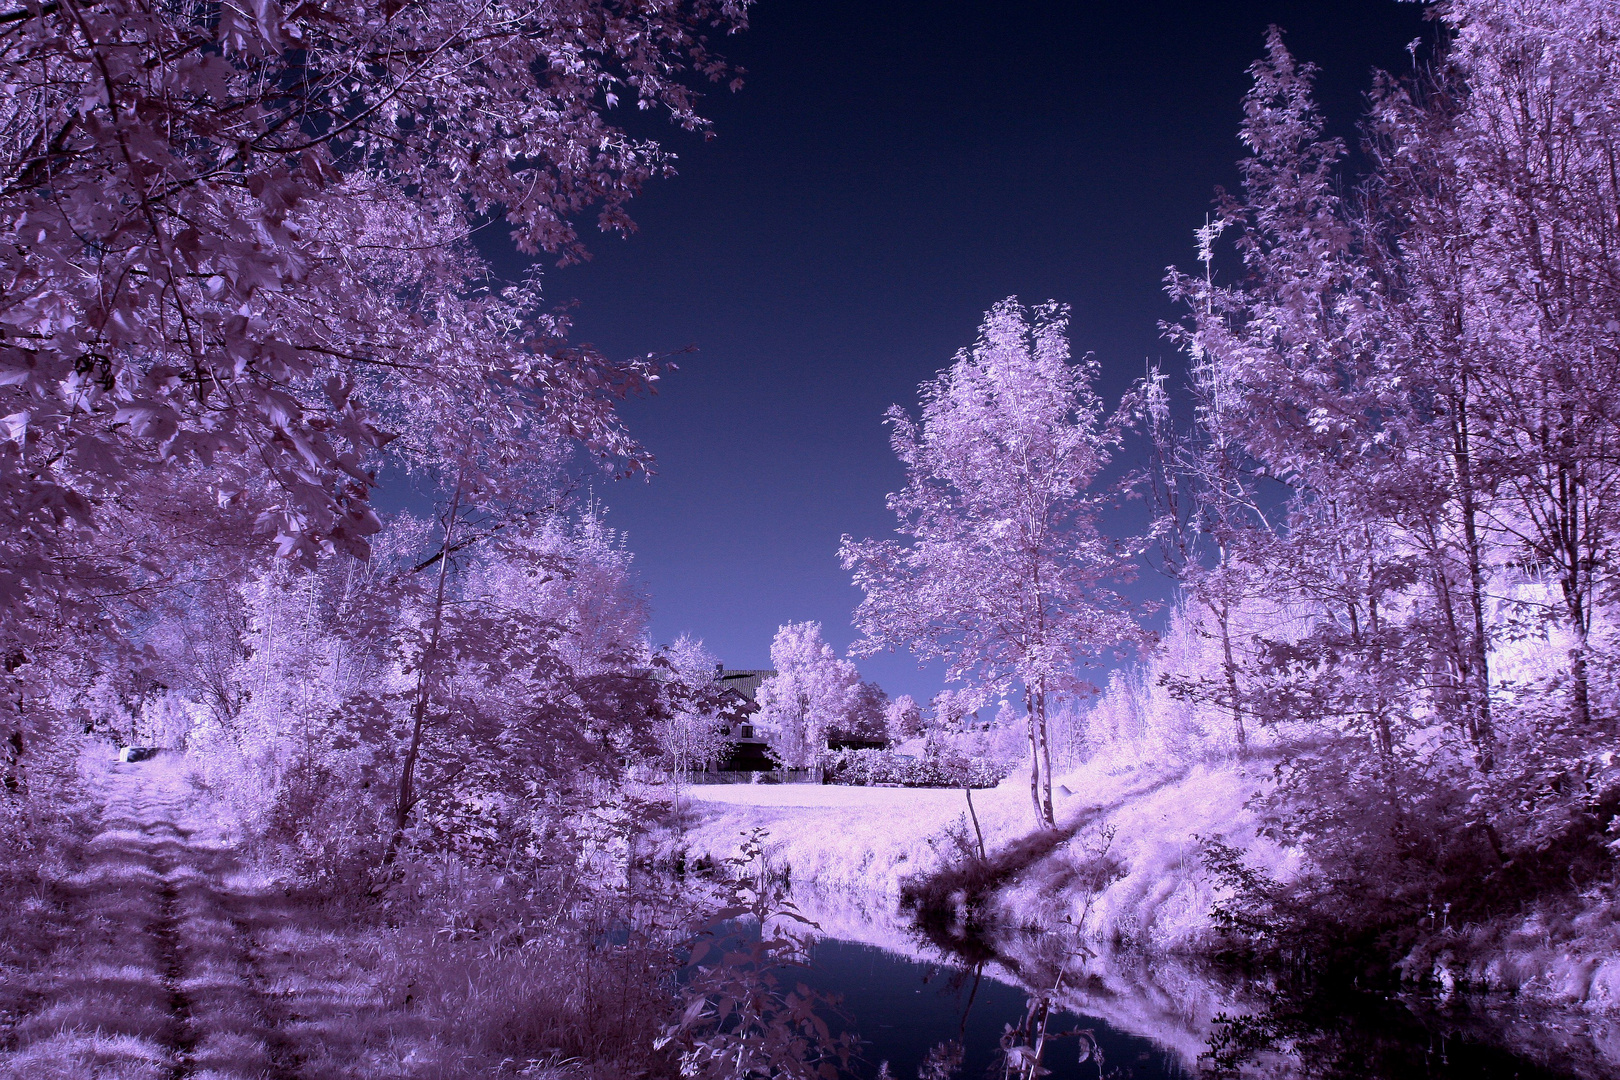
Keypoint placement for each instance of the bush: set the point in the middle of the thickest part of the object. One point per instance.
(863, 768)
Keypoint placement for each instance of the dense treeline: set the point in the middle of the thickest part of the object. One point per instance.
(1395, 510)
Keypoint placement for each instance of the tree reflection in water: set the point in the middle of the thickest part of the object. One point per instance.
(938, 1007)
(1324, 1034)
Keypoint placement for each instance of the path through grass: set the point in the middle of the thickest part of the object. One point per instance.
(180, 962)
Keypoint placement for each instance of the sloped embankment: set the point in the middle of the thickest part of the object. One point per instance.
(870, 845)
(1126, 861)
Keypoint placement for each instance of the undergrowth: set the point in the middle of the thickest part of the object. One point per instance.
(44, 825)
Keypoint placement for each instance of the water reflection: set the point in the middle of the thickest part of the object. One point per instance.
(937, 1020)
(1345, 1035)
(1021, 1008)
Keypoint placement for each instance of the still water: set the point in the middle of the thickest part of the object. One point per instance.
(905, 1008)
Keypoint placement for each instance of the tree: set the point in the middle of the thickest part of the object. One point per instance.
(433, 711)
(1210, 523)
(693, 730)
(868, 715)
(537, 658)
(207, 222)
(235, 247)
(1304, 384)
(903, 719)
(811, 693)
(1497, 191)
(1007, 576)
(956, 710)
(1427, 364)
(1304, 381)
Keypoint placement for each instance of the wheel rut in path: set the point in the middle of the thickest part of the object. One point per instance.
(182, 1040)
(157, 980)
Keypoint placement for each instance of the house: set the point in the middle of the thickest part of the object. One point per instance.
(842, 741)
(739, 691)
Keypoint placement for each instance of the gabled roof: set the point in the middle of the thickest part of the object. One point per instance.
(744, 681)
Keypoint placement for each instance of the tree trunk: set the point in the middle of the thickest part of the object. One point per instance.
(1575, 590)
(1474, 658)
(1580, 690)
(1223, 618)
(1386, 737)
(406, 800)
(16, 773)
(967, 790)
(1034, 756)
(1478, 675)
(1046, 759)
(16, 778)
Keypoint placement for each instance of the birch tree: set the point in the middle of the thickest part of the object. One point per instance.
(1005, 574)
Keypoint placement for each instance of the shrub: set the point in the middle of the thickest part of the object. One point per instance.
(863, 768)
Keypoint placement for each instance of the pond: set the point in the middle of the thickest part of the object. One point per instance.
(917, 1009)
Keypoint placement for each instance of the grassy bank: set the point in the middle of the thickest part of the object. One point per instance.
(871, 845)
(1126, 860)
(1564, 953)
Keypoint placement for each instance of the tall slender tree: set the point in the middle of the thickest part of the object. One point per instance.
(1006, 575)
(1211, 525)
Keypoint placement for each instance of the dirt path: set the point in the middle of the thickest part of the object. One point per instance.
(183, 964)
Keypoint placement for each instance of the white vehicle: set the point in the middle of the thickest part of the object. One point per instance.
(137, 753)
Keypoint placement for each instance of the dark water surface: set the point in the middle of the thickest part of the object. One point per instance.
(904, 1008)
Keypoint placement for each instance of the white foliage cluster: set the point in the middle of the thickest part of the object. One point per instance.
(812, 691)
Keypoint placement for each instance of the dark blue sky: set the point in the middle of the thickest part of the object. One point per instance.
(889, 171)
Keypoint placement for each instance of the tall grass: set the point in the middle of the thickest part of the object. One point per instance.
(588, 1000)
